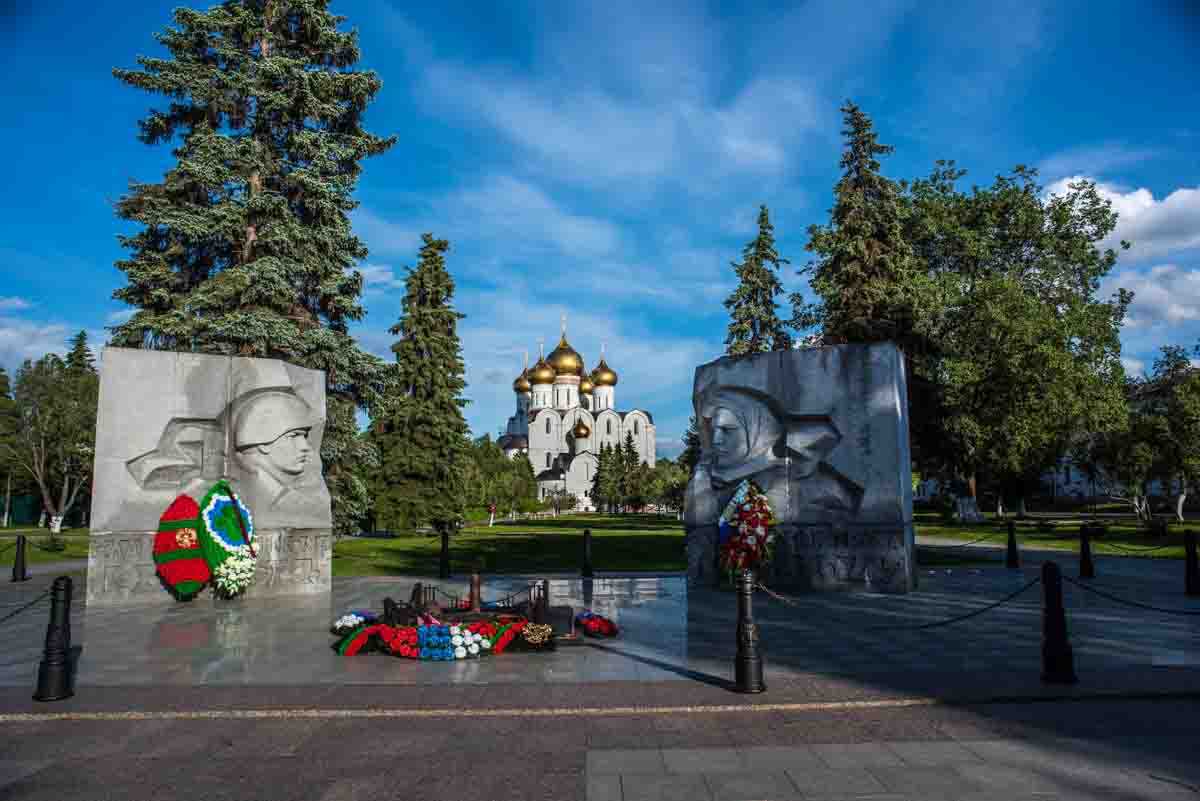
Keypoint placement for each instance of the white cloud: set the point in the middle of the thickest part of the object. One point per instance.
(1092, 160)
(587, 136)
(1133, 367)
(8, 304)
(378, 278)
(118, 317)
(26, 339)
(1165, 294)
(1153, 227)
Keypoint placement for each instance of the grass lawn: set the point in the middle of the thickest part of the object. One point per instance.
(37, 540)
(619, 543)
(1123, 538)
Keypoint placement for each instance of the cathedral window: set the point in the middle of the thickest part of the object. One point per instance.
(547, 455)
(635, 426)
(608, 426)
(547, 425)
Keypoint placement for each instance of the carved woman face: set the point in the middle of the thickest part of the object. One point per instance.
(743, 429)
(729, 438)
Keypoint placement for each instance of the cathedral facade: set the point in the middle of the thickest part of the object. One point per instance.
(564, 415)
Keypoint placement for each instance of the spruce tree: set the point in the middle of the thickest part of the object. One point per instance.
(424, 437)
(756, 326)
(864, 271)
(245, 245)
(629, 462)
(598, 481)
(79, 357)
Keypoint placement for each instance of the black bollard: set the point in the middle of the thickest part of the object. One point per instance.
(1012, 557)
(587, 553)
(18, 572)
(417, 599)
(748, 668)
(1058, 662)
(1087, 569)
(54, 672)
(444, 559)
(1191, 566)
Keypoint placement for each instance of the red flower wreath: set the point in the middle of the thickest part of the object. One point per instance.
(750, 545)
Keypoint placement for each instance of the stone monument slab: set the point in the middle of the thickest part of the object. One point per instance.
(824, 433)
(173, 423)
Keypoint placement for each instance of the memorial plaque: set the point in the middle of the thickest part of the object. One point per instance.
(174, 423)
(824, 433)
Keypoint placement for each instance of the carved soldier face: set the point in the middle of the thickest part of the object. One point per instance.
(290, 453)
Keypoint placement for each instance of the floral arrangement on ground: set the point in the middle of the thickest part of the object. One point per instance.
(419, 634)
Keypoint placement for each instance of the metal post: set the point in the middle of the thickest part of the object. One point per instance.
(475, 591)
(18, 571)
(54, 672)
(587, 553)
(1086, 567)
(444, 560)
(1058, 662)
(748, 668)
(1191, 565)
(1012, 557)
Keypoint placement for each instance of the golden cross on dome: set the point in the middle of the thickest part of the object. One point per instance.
(541, 348)
(563, 320)
(526, 360)
(601, 351)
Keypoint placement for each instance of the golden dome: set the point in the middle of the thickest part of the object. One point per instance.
(521, 384)
(581, 431)
(585, 385)
(603, 375)
(564, 359)
(542, 373)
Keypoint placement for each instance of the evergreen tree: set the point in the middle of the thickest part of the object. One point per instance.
(424, 436)
(80, 357)
(864, 271)
(598, 479)
(691, 447)
(246, 246)
(756, 326)
(629, 462)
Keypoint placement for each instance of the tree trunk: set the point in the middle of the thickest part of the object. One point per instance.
(999, 506)
(42, 519)
(8, 499)
(971, 485)
(1021, 508)
(1179, 503)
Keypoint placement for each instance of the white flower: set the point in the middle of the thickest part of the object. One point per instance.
(750, 540)
(761, 531)
(478, 637)
(485, 644)
(455, 630)
(456, 639)
(460, 653)
(474, 649)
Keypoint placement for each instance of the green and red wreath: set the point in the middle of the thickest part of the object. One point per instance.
(207, 542)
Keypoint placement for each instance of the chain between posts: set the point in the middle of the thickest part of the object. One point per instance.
(1126, 602)
(792, 602)
(45, 594)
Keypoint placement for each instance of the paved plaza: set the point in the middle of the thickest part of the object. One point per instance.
(860, 703)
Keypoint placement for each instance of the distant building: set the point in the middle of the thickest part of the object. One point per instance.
(564, 415)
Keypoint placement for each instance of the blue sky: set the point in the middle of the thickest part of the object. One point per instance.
(606, 160)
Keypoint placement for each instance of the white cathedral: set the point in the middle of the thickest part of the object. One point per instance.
(564, 415)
